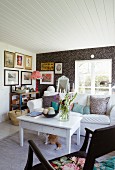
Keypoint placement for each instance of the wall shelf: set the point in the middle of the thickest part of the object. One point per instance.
(18, 102)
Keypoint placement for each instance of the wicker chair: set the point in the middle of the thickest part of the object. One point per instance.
(101, 143)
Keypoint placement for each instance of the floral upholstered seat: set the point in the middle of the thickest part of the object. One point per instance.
(102, 142)
(76, 163)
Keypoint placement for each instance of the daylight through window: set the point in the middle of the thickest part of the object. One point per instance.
(89, 74)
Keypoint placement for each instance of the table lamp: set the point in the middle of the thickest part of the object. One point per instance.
(35, 76)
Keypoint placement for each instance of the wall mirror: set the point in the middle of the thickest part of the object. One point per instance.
(63, 84)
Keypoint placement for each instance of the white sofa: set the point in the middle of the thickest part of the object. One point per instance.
(92, 121)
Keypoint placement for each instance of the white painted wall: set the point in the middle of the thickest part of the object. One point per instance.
(4, 90)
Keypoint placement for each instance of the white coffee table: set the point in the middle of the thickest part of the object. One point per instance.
(51, 126)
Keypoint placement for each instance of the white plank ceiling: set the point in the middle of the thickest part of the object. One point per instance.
(56, 25)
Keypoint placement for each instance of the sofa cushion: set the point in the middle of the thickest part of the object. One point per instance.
(98, 105)
(81, 99)
(78, 108)
(55, 105)
(81, 109)
(110, 103)
(48, 99)
(95, 119)
(86, 110)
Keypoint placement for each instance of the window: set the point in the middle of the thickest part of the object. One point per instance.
(89, 74)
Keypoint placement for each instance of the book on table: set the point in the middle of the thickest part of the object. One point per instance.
(34, 114)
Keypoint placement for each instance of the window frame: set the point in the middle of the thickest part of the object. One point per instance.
(93, 75)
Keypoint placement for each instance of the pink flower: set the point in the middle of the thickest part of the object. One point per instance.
(70, 166)
(81, 161)
(74, 159)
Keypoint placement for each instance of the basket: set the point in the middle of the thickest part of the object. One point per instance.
(14, 114)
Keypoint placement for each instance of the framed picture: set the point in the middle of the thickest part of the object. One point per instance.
(28, 62)
(11, 77)
(25, 78)
(13, 88)
(8, 59)
(58, 68)
(19, 60)
(47, 66)
(47, 77)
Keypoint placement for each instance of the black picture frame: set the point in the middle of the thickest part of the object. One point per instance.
(13, 89)
(25, 78)
(11, 77)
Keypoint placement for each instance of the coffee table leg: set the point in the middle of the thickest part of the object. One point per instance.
(21, 135)
(68, 142)
(78, 136)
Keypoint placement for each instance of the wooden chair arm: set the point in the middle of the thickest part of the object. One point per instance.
(34, 149)
(89, 131)
(86, 140)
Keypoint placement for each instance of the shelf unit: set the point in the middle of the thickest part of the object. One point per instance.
(19, 104)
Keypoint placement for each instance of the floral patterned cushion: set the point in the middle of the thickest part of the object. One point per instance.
(98, 105)
(76, 163)
(68, 163)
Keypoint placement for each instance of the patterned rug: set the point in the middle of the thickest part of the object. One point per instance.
(13, 157)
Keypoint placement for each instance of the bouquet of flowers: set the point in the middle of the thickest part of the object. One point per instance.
(65, 106)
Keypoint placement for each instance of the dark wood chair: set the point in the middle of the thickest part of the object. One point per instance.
(102, 142)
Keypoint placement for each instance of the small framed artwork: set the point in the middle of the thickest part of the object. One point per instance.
(13, 89)
(8, 59)
(25, 78)
(47, 66)
(19, 60)
(47, 77)
(11, 77)
(28, 62)
(58, 68)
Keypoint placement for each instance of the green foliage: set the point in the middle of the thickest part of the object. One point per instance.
(64, 104)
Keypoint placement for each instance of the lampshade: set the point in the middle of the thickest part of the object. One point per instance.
(36, 75)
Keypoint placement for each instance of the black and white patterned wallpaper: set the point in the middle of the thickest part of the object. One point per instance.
(68, 59)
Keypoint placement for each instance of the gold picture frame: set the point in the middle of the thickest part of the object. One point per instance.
(47, 66)
(9, 59)
(28, 62)
(19, 60)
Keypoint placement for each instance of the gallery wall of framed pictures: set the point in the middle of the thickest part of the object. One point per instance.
(23, 64)
(48, 71)
(12, 77)
(17, 69)
(17, 60)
